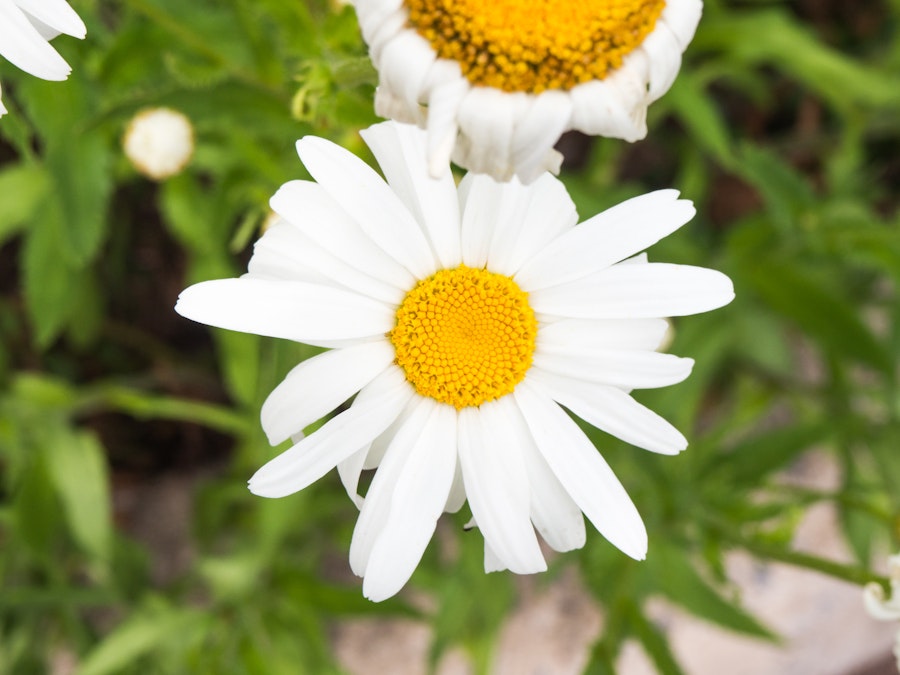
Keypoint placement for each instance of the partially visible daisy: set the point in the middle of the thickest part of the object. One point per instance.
(463, 319)
(496, 83)
(880, 606)
(25, 28)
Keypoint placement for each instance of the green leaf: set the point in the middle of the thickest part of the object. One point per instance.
(77, 466)
(697, 111)
(673, 574)
(816, 306)
(51, 285)
(785, 191)
(28, 183)
(145, 631)
(750, 461)
(771, 37)
(655, 644)
(35, 508)
(80, 168)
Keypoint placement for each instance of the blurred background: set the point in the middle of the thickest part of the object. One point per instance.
(128, 540)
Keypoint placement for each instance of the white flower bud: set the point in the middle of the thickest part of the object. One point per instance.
(159, 142)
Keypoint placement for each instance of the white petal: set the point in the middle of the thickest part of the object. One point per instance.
(372, 204)
(615, 107)
(583, 472)
(682, 17)
(550, 213)
(637, 291)
(605, 239)
(555, 515)
(400, 151)
(564, 334)
(538, 131)
(497, 485)
(664, 54)
(295, 310)
(24, 47)
(631, 369)
(309, 208)
(285, 252)
(493, 216)
(444, 99)
(457, 496)
(376, 406)
(486, 119)
(320, 384)
(482, 202)
(613, 411)
(350, 470)
(418, 500)
(371, 14)
(57, 14)
(404, 63)
(377, 505)
(492, 562)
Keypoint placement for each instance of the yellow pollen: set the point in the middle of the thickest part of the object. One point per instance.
(465, 336)
(533, 45)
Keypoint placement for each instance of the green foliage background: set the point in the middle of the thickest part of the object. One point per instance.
(783, 127)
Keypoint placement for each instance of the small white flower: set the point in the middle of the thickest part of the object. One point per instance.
(25, 28)
(880, 606)
(496, 83)
(159, 142)
(464, 318)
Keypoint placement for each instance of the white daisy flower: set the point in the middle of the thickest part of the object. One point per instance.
(464, 318)
(497, 83)
(25, 28)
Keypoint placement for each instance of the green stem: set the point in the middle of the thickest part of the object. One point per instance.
(148, 406)
(851, 573)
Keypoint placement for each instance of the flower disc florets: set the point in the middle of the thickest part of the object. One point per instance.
(465, 336)
(534, 46)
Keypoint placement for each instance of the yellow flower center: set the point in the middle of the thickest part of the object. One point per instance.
(465, 336)
(533, 45)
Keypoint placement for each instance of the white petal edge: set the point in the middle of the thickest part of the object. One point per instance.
(377, 505)
(376, 406)
(497, 485)
(605, 239)
(418, 499)
(400, 151)
(319, 384)
(612, 410)
(309, 208)
(582, 471)
(637, 291)
(368, 199)
(294, 310)
(629, 369)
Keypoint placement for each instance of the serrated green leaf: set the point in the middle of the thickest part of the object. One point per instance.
(784, 190)
(81, 172)
(48, 279)
(655, 644)
(76, 463)
(24, 186)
